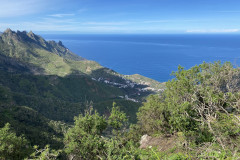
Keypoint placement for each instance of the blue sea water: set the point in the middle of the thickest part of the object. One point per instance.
(154, 56)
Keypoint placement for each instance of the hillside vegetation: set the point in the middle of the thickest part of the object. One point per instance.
(43, 85)
(196, 117)
(57, 105)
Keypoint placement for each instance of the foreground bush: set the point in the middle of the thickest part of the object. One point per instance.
(12, 147)
(98, 137)
(203, 103)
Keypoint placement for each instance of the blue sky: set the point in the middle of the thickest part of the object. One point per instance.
(121, 16)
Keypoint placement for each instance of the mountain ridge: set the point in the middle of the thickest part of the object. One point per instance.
(52, 46)
(65, 62)
(47, 80)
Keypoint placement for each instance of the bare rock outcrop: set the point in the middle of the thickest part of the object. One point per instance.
(162, 143)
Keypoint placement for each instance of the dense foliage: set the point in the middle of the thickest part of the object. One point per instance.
(44, 154)
(84, 140)
(11, 146)
(99, 137)
(203, 104)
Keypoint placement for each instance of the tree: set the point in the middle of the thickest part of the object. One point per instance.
(5, 95)
(154, 115)
(117, 119)
(84, 140)
(11, 146)
(198, 102)
(87, 139)
(43, 154)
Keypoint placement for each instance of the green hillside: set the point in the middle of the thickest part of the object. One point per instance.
(51, 58)
(44, 85)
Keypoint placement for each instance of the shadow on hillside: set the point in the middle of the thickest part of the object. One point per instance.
(34, 126)
(75, 72)
(13, 65)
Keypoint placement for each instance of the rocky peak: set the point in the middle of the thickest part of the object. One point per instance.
(60, 43)
(29, 38)
(8, 31)
(19, 35)
(31, 34)
(8, 34)
(22, 35)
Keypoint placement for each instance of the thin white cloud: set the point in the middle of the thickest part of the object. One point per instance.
(57, 20)
(62, 15)
(213, 30)
(106, 23)
(158, 21)
(228, 11)
(169, 21)
(72, 26)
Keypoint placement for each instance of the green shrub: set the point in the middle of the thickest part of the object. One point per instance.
(202, 103)
(12, 147)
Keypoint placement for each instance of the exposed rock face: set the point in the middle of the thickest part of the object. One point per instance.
(163, 143)
(144, 143)
(8, 31)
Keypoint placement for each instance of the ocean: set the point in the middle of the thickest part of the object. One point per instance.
(153, 56)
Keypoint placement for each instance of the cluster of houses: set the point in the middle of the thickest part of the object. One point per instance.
(127, 98)
(129, 84)
(119, 85)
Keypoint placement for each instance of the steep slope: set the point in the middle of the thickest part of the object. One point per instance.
(42, 82)
(54, 59)
(38, 129)
(62, 74)
(29, 48)
(30, 40)
(48, 94)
